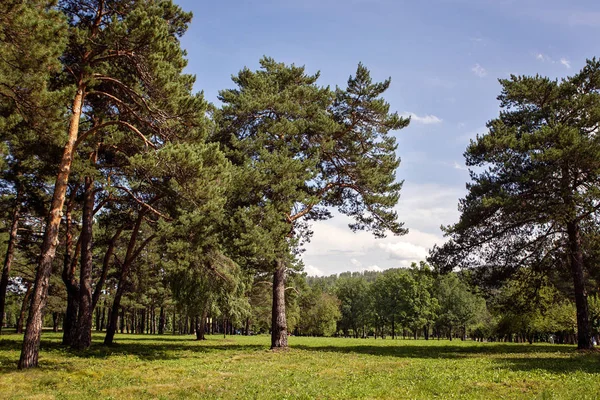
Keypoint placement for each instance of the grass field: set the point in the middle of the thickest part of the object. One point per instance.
(142, 366)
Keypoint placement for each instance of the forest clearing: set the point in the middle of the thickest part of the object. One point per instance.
(149, 366)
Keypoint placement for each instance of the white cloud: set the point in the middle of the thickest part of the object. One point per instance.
(373, 268)
(311, 270)
(334, 248)
(460, 166)
(425, 120)
(545, 58)
(404, 251)
(479, 71)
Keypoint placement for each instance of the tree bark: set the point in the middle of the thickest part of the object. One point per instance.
(130, 256)
(85, 316)
(201, 326)
(33, 332)
(279, 337)
(24, 307)
(68, 277)
(161, 321)
(10, 253)
(584, 330)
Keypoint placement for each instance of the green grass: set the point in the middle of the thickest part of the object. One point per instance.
(142, 366)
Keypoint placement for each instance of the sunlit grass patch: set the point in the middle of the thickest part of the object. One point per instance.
(145, 366)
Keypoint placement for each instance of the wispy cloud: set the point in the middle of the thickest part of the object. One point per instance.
(425, 119)
(542, 57)
(546, 58)
(479, 71)
(460, 167)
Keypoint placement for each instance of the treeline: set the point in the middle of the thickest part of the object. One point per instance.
(416, 303)
(420, 302)
(131, 203)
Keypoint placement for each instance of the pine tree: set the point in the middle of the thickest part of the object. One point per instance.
(127, 56)
(535, 186)
(32, 37)
(300, 149)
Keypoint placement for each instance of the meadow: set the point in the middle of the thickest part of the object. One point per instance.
(239, 367)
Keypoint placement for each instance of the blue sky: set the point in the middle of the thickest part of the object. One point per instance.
(444, 57)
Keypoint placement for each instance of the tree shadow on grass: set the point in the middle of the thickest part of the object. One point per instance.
(166, 348)
(515, 357)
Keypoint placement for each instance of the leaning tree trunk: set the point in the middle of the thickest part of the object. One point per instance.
(33, 332)
(10, 253)
(85, 317)
(584, 331)
(278, 321)
(130, 256)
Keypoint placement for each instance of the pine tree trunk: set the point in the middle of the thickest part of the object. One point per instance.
(24, 306)
(33, 332)
(123, 276)
(584, 330)
(161, 321)
(201, 326)
(68, 277)
(10, 253)
(55, 316)
(114, 315)
(85, 316)
(279, 337)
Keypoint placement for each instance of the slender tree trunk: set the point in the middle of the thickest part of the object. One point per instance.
(24, 306)
(130, 256)
(85, 316)
(584, 330)
(161, 321)
(201, 326)
(10, 252)
(68, 277)
(55, 321)
(278, 321)
(33, 332)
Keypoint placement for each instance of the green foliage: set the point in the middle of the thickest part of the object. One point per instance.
(301, 148)
(355, 304)
(535, 172)
(320, 312)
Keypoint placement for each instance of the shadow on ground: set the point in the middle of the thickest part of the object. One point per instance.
(553, 359)
(521, 357)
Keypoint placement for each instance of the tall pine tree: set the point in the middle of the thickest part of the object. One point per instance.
(301, 149)
(536, 184)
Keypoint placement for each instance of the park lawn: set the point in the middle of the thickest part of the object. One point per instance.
(163, 367)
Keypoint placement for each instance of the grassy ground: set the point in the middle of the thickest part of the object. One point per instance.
(142, 366)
